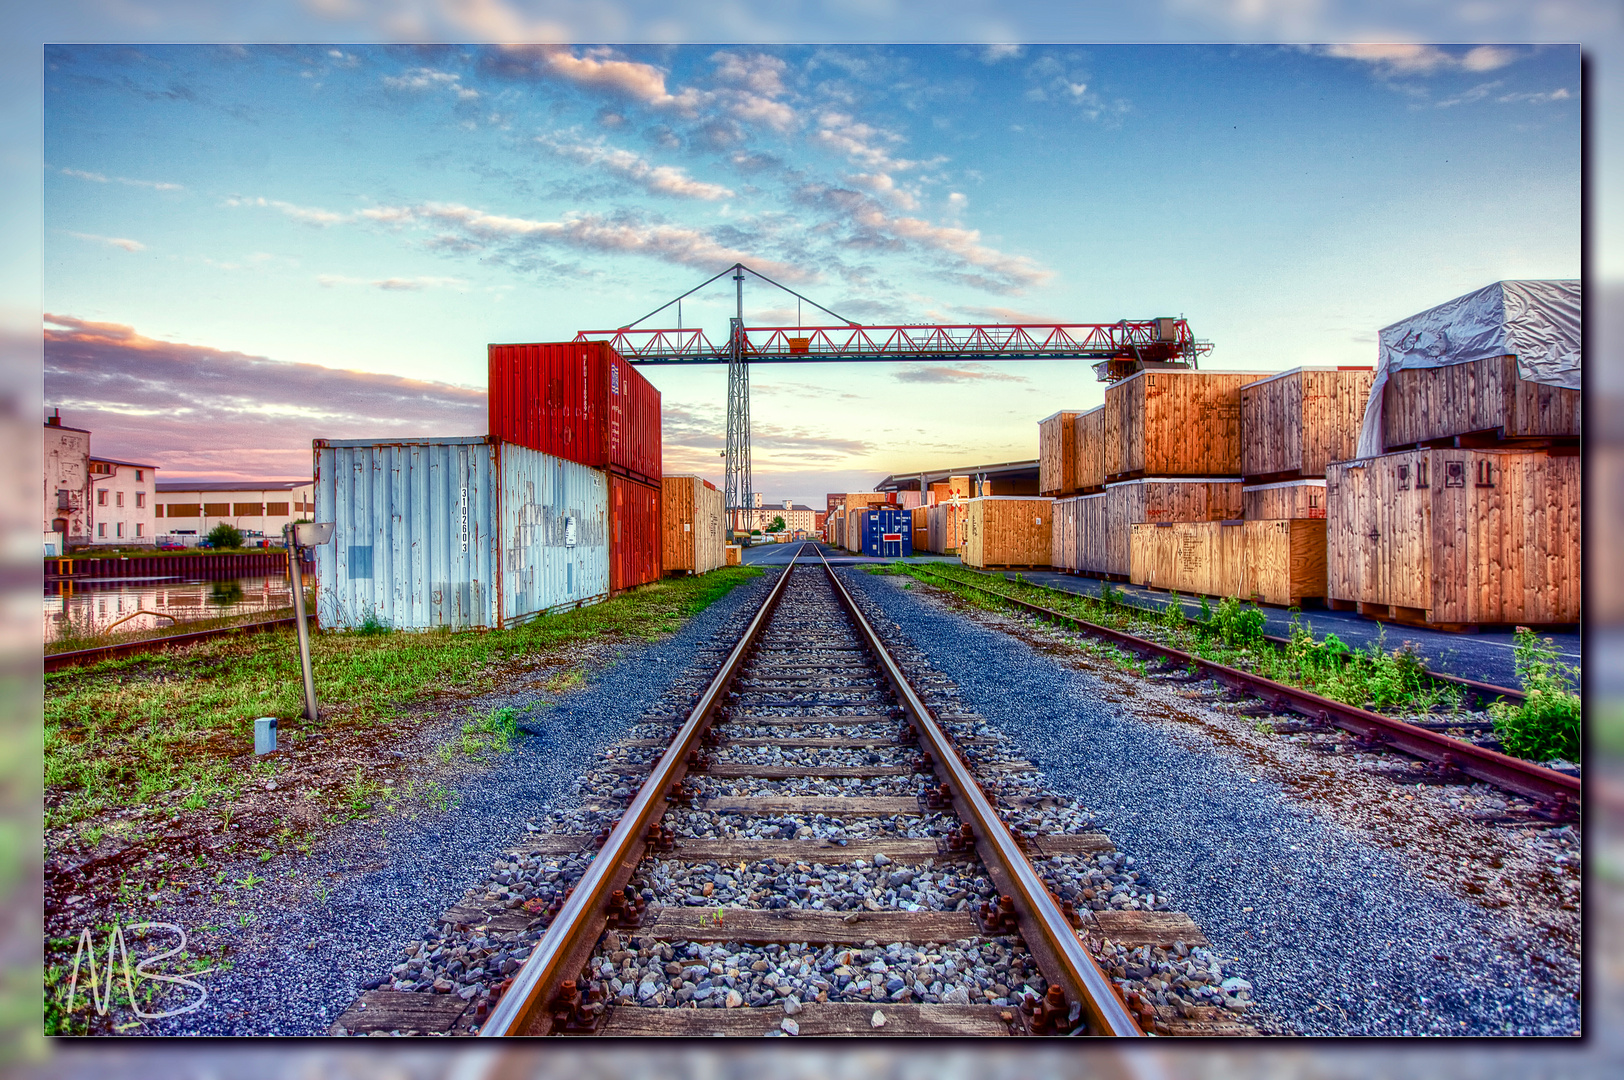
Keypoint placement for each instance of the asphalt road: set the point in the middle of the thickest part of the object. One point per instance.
(1485, 656)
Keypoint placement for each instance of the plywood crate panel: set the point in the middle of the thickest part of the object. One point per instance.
(1089, 430)
(1283, 499)
(945, 523)
(1175, 423)
(1057, 454)
(1094, 538)
(1484, 397)
(1007, 530)
(921, 528)
(692, 522)
(1298, 422)
(735, 555)
(1458, 536)
(1107, 532)
(1277, 562)
(1063, 554)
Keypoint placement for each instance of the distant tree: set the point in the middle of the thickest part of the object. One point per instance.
(225, 536)
(755, 532)
(777, 525)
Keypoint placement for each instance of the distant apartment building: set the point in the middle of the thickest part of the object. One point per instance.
(187, 509)
(797, 518)
(122, 502)
(67, 485)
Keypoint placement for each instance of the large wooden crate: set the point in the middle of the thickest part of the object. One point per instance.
(1106, 527)
(692, 525)
(945, 522)
(1175, 423)
(1457, 537)
(1007, 530)
(1283, 499)
(920, 516)
(1296, 423)
(1277, 562)
(1482, 399)
(1057, 454)
(1089, 428)
(1068, 513)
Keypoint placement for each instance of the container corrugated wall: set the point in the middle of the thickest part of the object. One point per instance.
(554, 547)
(578, 400)
(457, 533)
(414, 538)
(634, 533)
(552, 397)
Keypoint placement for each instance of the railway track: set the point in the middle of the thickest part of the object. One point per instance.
(1556, 795)
(823, 845)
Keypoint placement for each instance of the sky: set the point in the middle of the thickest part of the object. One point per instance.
(246, 247)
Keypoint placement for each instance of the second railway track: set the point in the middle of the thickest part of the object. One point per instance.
(813, 849)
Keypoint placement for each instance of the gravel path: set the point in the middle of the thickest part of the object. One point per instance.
(299, 962)
(1337, 935)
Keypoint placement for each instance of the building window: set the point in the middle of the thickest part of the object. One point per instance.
(157, 509)
(276, 509)
(183, 509)
(101, 529)
(119, 529)
(247, 509)
(140, 499)
(140, 530)
(101, 496)
(217, 509)
(140, 474)
(118, 497)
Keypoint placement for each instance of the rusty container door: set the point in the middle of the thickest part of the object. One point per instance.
(634, 533)
(633, 409)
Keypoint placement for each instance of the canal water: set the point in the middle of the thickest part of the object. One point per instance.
(80, 607)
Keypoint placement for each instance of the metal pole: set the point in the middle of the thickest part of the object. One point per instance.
(301, 627)
(737, 495)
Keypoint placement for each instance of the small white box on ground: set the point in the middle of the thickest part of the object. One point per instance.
(265, 735)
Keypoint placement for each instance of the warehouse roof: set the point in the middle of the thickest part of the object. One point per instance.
(231, 485)
(916, 481)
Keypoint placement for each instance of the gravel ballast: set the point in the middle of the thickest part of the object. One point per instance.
(1338, 934)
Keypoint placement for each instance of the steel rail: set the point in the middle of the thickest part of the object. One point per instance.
(76, 657)
(570, 938)
(1050, 937)
(1484, 692)
(1501, 770)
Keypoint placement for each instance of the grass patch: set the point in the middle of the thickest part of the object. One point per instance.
(1375, 677)
(137, 730)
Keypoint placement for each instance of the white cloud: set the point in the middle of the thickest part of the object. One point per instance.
(95, 177)
(992, 54)
(1559, 94)
(660, 179)
(111, 241)
(1476, 93)
(429, 79)
(310, 215)
(393, 284)
(597, 69)
(863, 144)
(1401, 58)
(883, 185)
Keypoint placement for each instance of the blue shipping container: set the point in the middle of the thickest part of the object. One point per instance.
(455, 533)
(888, 532)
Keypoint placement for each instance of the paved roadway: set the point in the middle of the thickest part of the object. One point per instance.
(1485, 656)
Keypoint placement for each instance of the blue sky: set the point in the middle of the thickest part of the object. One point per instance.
(215, 214)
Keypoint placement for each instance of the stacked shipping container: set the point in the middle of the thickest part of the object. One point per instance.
(582, 401)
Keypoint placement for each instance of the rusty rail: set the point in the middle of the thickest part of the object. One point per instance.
(1050, 937)
(526, 1007)
(76, 657)
(1558, 791)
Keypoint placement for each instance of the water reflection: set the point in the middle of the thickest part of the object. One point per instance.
(80, 609)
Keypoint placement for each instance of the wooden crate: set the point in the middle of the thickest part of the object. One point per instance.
(1479, 400)
(1007, 530)
(1296, 423)
(921, 528)
(1063, 553)
(1283, 499)
(735, 554)
(1106, 527)
(1277, 562)
(1175, 423)
(1455, 537)
(945, 525)
(1057, 454)
(1089, 428)
(692, 526)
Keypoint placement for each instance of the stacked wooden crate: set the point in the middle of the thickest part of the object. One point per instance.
(1007, 530)
(921, 528)
(945, 525)
(692, 525)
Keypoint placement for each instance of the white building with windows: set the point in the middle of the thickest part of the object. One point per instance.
(188, 509)
(67, 486)
(122, 501)
(797, 518)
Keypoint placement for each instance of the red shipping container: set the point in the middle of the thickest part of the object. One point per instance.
(578, 400)
(634, 533)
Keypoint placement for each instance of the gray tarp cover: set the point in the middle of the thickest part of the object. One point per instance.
(1535, 321)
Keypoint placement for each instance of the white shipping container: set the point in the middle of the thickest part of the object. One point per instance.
(458, 533)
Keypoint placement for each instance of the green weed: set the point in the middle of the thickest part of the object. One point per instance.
(1546, 726)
